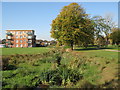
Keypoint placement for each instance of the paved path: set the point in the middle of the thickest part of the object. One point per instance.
(112, 50)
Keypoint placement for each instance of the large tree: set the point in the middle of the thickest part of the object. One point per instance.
(109, 24)
(103, 26)
(99, 27)
(72, 26)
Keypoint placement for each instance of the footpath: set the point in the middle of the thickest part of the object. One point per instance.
(112, 50)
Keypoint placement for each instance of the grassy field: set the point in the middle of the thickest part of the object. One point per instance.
(99, 53)
(36, 50)
(33, 50)
(114, 47)
(110, 47)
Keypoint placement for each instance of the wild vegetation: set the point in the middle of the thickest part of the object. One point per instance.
(60, 69)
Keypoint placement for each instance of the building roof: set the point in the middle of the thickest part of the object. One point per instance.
(19, 30)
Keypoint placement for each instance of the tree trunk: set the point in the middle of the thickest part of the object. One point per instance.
(107, 41)
(71, 45)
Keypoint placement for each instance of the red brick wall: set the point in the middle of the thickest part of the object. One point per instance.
(13, 40)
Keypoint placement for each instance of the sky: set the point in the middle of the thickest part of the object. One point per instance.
(39, 15)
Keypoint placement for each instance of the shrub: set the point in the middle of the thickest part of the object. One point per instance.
(5, 62)
(60, 76)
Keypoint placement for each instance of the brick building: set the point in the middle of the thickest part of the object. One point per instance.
(20, 38)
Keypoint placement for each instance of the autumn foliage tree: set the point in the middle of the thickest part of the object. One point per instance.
(72, 26)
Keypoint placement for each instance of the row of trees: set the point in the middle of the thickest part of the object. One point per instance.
(74, 27)
(45, 43)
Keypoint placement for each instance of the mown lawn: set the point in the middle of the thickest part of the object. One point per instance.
(33, 50)
(94, 52)
(99, 53)
(109, 47)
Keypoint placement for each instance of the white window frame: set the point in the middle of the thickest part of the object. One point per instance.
(16, 45)
(20, 32)
(21, 36)
(21, 41)
(16, 36)
(21, 45)
(17, 41)
(16, 32)
(25, 45)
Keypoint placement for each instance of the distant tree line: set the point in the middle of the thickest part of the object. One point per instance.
(44, 43)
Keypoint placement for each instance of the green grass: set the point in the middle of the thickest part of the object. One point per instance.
(36, 50)
(94, 52)
(110, 47)
(114, 47)
(101, 53)
(33, 50)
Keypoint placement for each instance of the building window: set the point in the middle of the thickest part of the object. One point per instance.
(16, 41)
(16, 45)
(29, 37)
(20, 41)
(16, 36)
(21, 45)
(20, 32)
(29, 45)
(20, 36)
(24, 44)
(16, 32)
(9, 37)
(24, 35)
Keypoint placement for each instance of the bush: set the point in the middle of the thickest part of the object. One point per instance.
(60, 76)
(5, 62)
